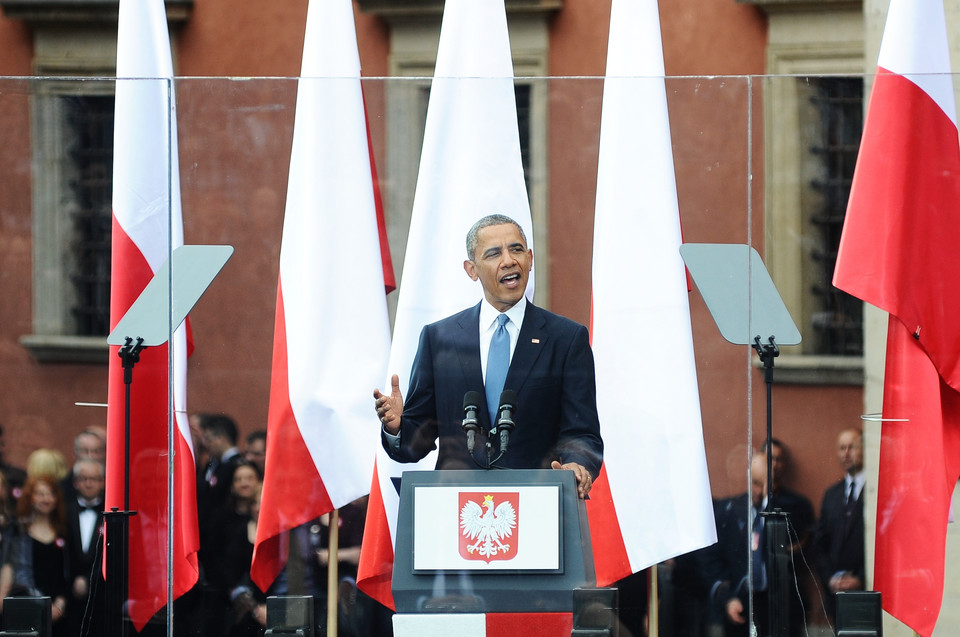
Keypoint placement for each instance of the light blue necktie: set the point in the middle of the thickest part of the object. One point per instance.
(498, 362)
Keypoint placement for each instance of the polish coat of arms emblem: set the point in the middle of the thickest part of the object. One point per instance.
(487, 525)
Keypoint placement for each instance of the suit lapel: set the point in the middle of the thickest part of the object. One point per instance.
(467, 342)
(530, 344)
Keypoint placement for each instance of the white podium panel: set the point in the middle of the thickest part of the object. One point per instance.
(515, 528)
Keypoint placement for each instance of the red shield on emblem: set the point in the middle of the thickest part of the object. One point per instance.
(488, 525)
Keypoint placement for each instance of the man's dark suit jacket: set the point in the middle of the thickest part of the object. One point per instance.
(552, 372)
(81, 563)
(727, 564)
(730, 554)
(839, 540)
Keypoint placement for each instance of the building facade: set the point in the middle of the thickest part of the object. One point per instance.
(765, 99)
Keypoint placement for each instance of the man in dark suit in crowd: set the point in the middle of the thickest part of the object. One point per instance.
(840, 536)
(84, 525)
(15, 476)
(550, 368)
(738, 527)
(741, 539)
(798, 506)
(87, 445)
(219, 435)
(220, 438)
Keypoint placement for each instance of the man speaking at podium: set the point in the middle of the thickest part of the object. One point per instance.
(546, 360)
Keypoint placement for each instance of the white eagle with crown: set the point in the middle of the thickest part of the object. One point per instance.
(488, 528)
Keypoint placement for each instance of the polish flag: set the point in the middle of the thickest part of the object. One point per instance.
(332, 329)
(897, 252)
(652, 499)
(485, 625)
(470, 167)
(147, 227)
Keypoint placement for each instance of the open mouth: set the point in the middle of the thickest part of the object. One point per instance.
(510, 279)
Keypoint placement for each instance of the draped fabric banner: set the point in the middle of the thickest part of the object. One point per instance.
(470, 166)
(322, 431)
(652, 500)
(147, 226)
(897, 252)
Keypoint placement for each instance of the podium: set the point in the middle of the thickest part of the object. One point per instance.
(490, 542)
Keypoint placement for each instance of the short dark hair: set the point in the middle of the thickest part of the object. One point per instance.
(243, 462)
(259, 434)
(773, 441)
(484, 222)
(220, 424)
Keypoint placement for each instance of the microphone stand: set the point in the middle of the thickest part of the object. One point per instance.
(776, 522)
(504, 424)
(118, 522)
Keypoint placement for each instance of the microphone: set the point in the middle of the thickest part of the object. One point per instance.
(471, 403)
(505, 424)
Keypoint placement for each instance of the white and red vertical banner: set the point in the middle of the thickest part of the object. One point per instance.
(485, 625)
(147, 226)
(470, 167)
(652, 499)
(332, 331)
(898, 252)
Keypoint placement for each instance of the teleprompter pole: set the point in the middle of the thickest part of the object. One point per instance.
(775, 524)
(117, 521)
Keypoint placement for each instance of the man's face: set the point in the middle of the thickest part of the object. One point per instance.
(758, 479)
(850, 451)
(214, 442)
(502, 262)
(256, 452)
(88, 482)
(89, 447)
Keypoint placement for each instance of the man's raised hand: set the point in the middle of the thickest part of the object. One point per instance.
(390, 407)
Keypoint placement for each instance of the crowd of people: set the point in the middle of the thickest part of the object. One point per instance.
(50, 532)
(51, 544)
(711, 590)
(229, 482)
(51, 541)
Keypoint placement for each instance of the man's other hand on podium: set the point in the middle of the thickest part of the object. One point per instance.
(584, 479)
(390, 408)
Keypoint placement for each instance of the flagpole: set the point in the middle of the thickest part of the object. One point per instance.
(653, 605)
(333, 560)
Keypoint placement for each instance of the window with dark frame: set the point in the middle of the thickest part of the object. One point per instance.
(88, 143)
(837, 318)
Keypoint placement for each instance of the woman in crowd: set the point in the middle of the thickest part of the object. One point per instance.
(36, 563)
(229, 546)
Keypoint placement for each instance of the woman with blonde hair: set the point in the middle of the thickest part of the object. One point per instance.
(47, 462)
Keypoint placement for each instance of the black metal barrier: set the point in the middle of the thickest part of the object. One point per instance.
(594, 612)
(290, 615)
(859, 614)
(27, 617)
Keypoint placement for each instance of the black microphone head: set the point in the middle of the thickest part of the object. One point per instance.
(471, 400)
(508, 399)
